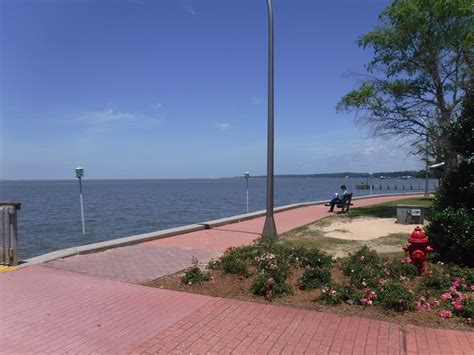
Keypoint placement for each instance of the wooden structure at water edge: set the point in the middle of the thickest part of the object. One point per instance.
(393, 187)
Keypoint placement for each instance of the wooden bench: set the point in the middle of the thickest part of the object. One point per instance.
(346, 203)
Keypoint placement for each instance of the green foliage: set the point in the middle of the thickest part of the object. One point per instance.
(414, 44)
(466, 274)
(273, 269)
(451, 230)
(266, 286)
(336, 293)
(315, 258)
(234, 266)
(395, 296)
(457, 190)
(236, 260)
(467, 312)
(451, 234)
(364, 267)
(194, 275)
(314, 277)
(436, 280)
(395, 269)
(461, 131)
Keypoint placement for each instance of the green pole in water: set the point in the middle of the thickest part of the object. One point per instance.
(79, 175)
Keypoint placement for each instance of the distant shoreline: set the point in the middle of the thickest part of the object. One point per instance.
(376, 175)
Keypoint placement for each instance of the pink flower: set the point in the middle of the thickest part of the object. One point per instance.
(458, 295)
(271, 281)
(373, 294)
(446, 296)
(445, 314)
(457, 282)
(418, 305)
(367, 289)
(458, 305)
(364, 300)
(471, 287)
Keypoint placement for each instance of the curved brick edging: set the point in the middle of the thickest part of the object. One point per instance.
(146, 237)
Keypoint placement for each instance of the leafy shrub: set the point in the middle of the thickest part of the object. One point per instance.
(194, 275)
(237, 260)
(436, 280)
(395, 268)
(456, 190)
(467, 310)
(272, 270)
(316, 258)
(364, 267)
(268, 287)
(466, 274)
(395, 296)
(336, 293)
(234, 266)
(451, 234)
(314, 277)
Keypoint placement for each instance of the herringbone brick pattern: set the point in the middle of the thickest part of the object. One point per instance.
(44, 310)
(229, 326)
(134, 263)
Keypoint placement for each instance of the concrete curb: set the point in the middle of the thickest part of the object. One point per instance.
(110, 244)
(140, 238)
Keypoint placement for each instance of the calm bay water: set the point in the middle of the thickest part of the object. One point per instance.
(50, 217)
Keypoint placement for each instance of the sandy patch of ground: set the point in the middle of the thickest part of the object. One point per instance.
(364, 228)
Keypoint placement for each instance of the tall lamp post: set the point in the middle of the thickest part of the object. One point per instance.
(247, 175)
(269, 228)
(79, 175)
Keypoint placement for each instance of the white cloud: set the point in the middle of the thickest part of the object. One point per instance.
(223, 126)
(156, 105)
(105, 116)
(190, 10)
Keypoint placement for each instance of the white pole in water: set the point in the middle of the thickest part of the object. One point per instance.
(370, 182)
(247, 175)
(79, 175)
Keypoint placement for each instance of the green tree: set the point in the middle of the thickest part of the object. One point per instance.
(422, 65)
(451, 228)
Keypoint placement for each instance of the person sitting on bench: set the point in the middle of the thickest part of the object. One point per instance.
(339, 199)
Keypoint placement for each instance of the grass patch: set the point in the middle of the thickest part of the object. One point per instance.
(397, 239)
(389, 209)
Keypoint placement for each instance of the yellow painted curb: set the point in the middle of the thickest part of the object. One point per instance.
(7, 268)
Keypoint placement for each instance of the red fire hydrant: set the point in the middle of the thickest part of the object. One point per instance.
(418, 249)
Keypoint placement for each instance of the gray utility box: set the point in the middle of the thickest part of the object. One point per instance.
(410, 214)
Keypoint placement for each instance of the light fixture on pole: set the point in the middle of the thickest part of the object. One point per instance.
(269, 228)
(247, 175)
(79, 175)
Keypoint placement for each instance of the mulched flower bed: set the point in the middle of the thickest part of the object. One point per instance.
(363, 284)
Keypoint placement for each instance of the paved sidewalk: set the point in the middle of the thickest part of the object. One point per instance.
(82, 305)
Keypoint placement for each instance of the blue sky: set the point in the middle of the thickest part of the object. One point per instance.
(178, 88)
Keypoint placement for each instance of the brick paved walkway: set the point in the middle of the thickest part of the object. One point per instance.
(81, 305)
(134, 263)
